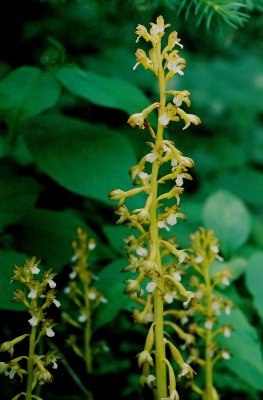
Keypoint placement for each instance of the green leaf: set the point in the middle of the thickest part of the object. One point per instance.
(235, 74)
(85, 159)
(48, 234)
(256, 140)
(102, 90)
(27, 91)
(257, 231)
(245, 349)
(111, 286)
(18, 193)
(246, 183)
(254, 278)
(226, 214)
(115, 236)
(8, 259)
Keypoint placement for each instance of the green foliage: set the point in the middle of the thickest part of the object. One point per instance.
(111, 285)
(81, 157)
(233, 13)
(245, 345)
(253, 280)
(100, 90)
(7, 259)
(25, 92)
(229, 218)
(13, 186)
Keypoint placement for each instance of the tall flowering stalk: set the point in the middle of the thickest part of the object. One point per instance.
(84, 297)
(153, 257)
(37, 295)
(206, 311)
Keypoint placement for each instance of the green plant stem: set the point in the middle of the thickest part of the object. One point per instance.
(30, 363)
(87, 334)
(161, 378)
(208, 393)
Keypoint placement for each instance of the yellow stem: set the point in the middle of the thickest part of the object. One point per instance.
(30, 363)
(161, 377)
(208, 393)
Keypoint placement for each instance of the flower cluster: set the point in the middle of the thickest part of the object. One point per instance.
(208, 307)
(37, 295)
(84, 296)
(154, 257)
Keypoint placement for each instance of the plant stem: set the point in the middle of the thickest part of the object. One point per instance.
(208, 393)
(30, 363)
(87, 334)
(161, 379)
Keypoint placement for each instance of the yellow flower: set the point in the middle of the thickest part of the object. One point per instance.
(141, 58)
(138, 118)
(173, 40)
(145, 357)
(180, 97)
(175, 63)
(141, 31)
(157, 30)
(188, 118)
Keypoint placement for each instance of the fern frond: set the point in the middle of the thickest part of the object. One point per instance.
(234, 13)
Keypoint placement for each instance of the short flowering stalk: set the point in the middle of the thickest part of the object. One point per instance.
(210, 305)
(84, 296)
(37, 295)
(149, 250)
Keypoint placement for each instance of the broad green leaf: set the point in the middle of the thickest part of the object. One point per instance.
(115, 236)
(257, 231)
(226, 382)
(245, 348)
(87, 160)
(27, 91)
(256, 138)
(18, 193)
(245, 183)
(111, 286)
(48, 234)
(8, 259)
(227, 155)
(254, 279)
(235, 75)
(102, 90)
(226, 214)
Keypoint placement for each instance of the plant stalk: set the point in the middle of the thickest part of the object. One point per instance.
(161, 376)
(30, 363)
(208, 393)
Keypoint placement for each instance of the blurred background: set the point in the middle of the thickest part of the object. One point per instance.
(67, 88)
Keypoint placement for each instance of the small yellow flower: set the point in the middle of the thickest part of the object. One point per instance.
(180, 97)
(186, 370)
(138, 118)
(173, 40)
(175, 63)
(188, 118)
(141, 31)
(141, 58)
(145, 357)
(132, 286)
(157, 30)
